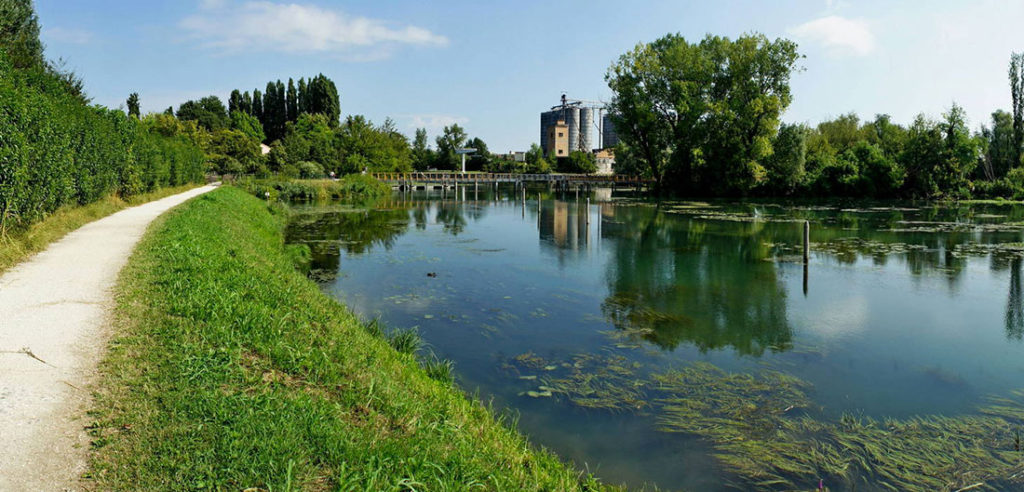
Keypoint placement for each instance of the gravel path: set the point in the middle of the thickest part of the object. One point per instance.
(54, 317)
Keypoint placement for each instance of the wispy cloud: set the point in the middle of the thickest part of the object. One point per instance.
(297, 28)
(434, 123)
(68, 35)
(839, 35)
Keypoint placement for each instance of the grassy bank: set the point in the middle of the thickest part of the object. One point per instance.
(349, 187)
(229, 370)
(18, 244)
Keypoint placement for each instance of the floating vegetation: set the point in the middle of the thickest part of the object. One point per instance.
(1005, 250)
(926, 226)
(850, 245)
(768, 435)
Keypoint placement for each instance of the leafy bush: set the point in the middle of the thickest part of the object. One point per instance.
(310, 170)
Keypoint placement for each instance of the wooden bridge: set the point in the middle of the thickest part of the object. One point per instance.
(423, 180)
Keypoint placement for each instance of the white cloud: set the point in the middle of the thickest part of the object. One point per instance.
(295, 28)
(434, 123)
(68, 35)
(839, 35)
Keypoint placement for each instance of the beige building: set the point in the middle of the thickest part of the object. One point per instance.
(605, 160)
(558, 140)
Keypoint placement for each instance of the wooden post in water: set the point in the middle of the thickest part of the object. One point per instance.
(807, 242)
(588, 210)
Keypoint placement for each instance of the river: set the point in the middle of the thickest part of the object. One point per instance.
(686, 345)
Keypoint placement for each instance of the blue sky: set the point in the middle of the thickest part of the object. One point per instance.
(492, 66)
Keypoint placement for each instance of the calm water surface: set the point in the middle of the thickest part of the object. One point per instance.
(904, 311)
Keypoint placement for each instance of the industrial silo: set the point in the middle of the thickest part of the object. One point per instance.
(572, 118)
(586, 143)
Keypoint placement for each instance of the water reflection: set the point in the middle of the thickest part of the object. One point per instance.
(681, 281)
(1014, 305)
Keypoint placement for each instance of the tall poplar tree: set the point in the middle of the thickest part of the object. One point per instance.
(133, 104)
(293, 101)
(303, 105)
(1017, 97)
(257, 107)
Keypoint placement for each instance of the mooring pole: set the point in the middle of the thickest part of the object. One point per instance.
(588, 210)
(807, 242)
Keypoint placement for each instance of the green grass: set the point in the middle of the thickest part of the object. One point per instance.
(17, 245)
(229, 369)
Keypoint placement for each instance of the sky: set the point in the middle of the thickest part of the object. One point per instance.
(493, 66)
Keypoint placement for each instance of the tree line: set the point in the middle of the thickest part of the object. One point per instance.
(703, 118)
(56, 149)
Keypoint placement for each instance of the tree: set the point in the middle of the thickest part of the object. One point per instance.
(786, 166)
(323, 98)
(248, 125)
(275, 110)
(19, 34)
(578, 162)
(133, 105)
(237, 147)
(375, 148)
(422, 156)
(1000, 154)
(293, 101)
(959, 154)
(453, 137)
(235, 101)
(245, 105)
(257, 104)
(479, 159)
(701, 116)
(209, 112)
(303, 106)
(169, 111)
(1017, 99)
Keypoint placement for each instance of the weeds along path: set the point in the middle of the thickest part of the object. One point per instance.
(54, 313)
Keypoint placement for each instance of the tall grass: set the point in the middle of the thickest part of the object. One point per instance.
(230, 370)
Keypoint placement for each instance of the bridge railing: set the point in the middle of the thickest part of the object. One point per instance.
(451, 177)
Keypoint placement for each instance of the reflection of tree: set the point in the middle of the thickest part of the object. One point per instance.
(678, 281)
(328, 233)
(1014, 305)
(452, 216)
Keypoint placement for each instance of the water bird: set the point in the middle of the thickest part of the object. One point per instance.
(432, 274)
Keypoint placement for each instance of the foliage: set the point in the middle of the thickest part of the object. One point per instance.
(310, 170)
(230, 146)
(453, 137)
(700, 117)
(374, 148)
(578, 162)
(19, 34)
(785, 168)
(133, 104)
(209, 112)
(57, 151)
(248, 125)
(422, 156)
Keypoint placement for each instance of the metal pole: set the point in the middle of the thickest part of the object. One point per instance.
(807, 242)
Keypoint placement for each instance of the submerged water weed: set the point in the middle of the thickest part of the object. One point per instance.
(607, 382)
(768, 435)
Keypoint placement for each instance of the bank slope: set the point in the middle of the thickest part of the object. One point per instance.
(230, 370)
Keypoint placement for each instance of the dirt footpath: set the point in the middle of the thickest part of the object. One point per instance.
(54, 313)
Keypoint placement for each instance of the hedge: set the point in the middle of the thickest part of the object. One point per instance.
(56, 150)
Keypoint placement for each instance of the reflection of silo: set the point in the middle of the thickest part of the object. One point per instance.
(586, 126)
(609, 136)
(572, 118)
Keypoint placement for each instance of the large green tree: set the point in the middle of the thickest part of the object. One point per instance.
(209, 112)
(293, 101)
(453, 137)
(701, 116)
(19, 34)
